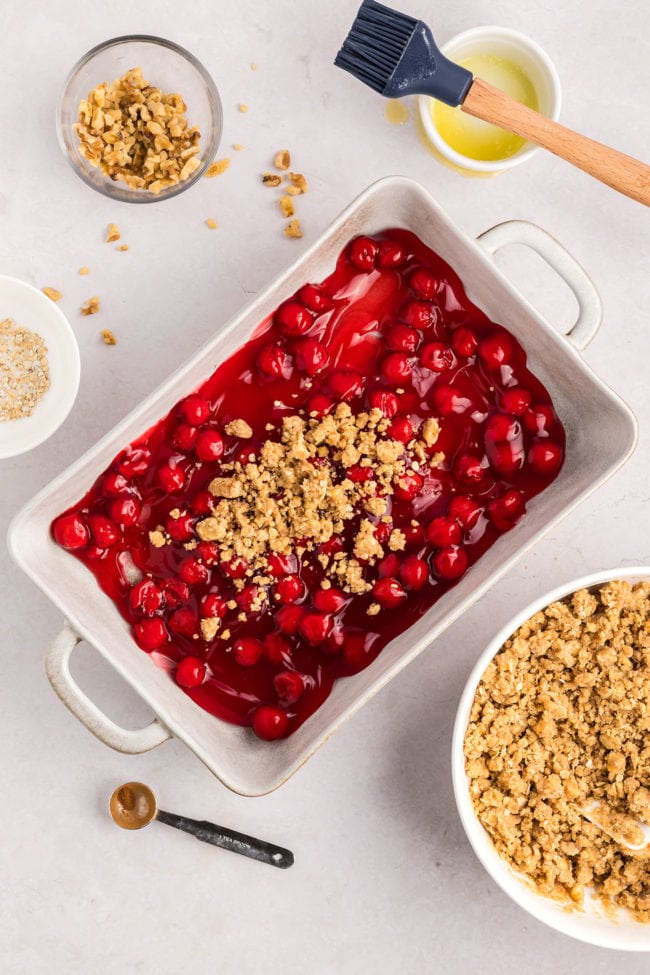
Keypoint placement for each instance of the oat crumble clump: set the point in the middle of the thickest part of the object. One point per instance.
(136, 133)
(560, 718)
(24, 372)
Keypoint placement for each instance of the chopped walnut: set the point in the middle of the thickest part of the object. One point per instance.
(217, 168)
(293, 228)
(286, 206)
(271, 179)
(237, 146)
(298, 182)
(52, 294)
(112, 233)
(123, 247)
(282, 159)
(108, 338)
(243, 108)
(91, 307)
(84, 270)
(211, 223)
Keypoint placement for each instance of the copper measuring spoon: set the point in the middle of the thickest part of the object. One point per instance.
(133, 805)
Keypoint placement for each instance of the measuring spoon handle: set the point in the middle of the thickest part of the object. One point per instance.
(229, 839)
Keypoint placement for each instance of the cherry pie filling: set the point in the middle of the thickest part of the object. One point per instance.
(322, 489)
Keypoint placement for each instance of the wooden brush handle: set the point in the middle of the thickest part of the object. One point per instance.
(623, 173)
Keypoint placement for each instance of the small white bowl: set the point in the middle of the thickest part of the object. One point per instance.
(525, 53)
(31, 309)
(591, 923)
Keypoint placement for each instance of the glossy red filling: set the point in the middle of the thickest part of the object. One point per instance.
(390, 328)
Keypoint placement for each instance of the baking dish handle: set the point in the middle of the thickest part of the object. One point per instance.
(57, 667)
(590, 311)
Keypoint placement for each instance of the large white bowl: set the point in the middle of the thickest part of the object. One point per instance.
(601, 434)
(592, 923)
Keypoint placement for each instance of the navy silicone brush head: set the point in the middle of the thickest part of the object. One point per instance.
(397, 55)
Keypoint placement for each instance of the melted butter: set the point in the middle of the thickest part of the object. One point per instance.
(396, 111)
(472, 137)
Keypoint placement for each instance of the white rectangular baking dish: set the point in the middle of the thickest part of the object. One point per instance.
(601, 434)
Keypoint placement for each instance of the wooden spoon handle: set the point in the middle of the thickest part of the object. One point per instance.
(623, 173)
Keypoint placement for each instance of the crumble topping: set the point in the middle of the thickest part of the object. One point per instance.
(560, 720)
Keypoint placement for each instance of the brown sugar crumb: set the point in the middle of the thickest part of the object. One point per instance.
(211, 223)
(560, 720)
(271, 179)
(84, 270)
(138, 134)
(112, 233)
(286, 206)
(90, 307)
(52, 294)
(108, 338)
(217, 168)
(24, 373)
(293, 228)
(282, 159)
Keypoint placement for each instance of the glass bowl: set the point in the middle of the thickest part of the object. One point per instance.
(166, 66)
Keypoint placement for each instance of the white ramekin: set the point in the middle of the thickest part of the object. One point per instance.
(524, 52)
(592, 923)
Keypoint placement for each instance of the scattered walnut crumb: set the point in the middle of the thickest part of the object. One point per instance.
(123, 247)
(271, 179)
(108, 338)
(217, 168)
(84, 270)
(52, 294)
(24, 372)
(293, 228)
(286, 206)
(561, 718)
(112, 233)
(136, 133)
(157, 538)
(237, 146)
(243, 108)
(239, 428)
(282, 159)
(211, 223)
(298, 183)
(253, 66)
(91, 307)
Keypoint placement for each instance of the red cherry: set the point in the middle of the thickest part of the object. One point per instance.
(465, 510)
(125, 510)
(313, 297)
(420, 314)
(212, 606)
(273, 362)
(184, 622)
(202, 503)
(504, 512)
(329, 600)
(289, 686)
(506, 457)
(180, 529)
(345, 383)
(270, 723)
(414, 535)
(311, 356)
(333, 646)
(183, 437)
(469, 469)
(289, 589)
(252, 600)
(235, 569)
(103, 531)
(363, 252)
(277, 648)
(446, 399)
(401, 429)
(190, 672)
(247, 651)
(176, 592)
(437, 357)
(95, 552)
(539, 419)
(450, 563)
(424, 283)
(293, 318)
(396, 368)
(151, 634)
(408, 486)
(388, 592)
(403, 338)
(545, 457)
(500, 427)
(70, 532)
(114, 483)
(193, 572)
(356, 650)
(146, 598)
(208, 552)
(315, 627)
(359, 474)
(382, 399)
(319, 405)
(332, 546)
(171, 478)
(209, 445)
(382, 533)
(134, 461)
(515, 400)
(195, 409)
(281, 565)
(442, 532)
(391, 254)
(495, 349)
(414, 572)
(288, 619)
(464, 341)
